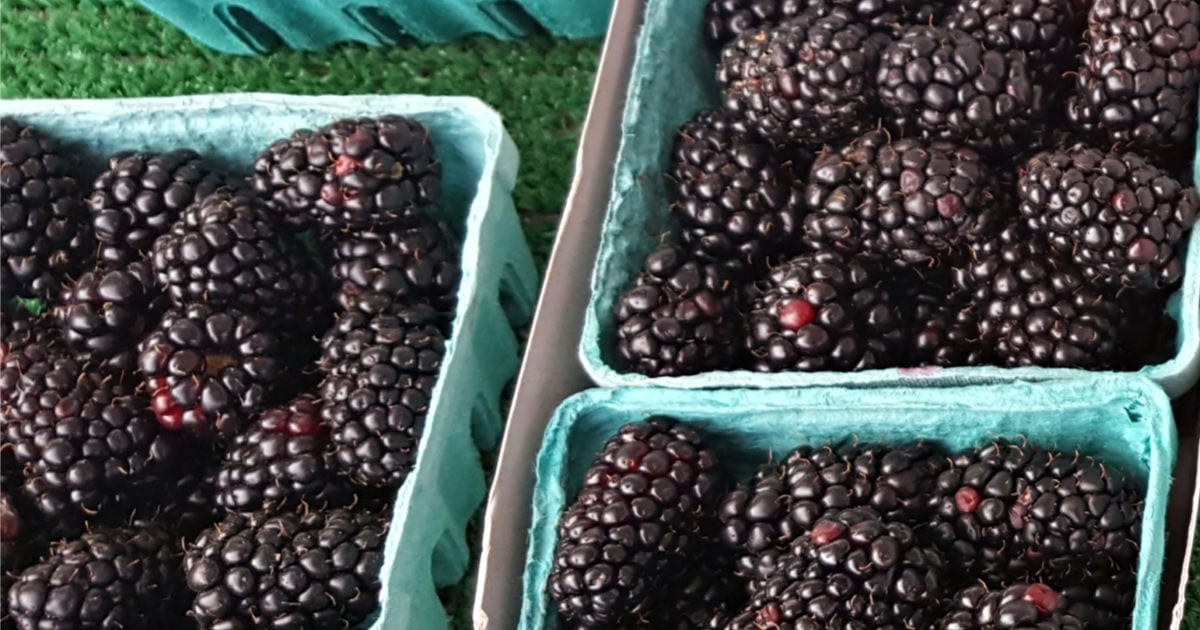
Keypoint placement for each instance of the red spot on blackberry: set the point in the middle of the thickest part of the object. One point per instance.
(345, 165)
(826, 532)
(967, 499)
(1124, 201)
(770, 613)
(10, 524)
(1044, 598)
(1142, 251)
(331, 195)
(796, 314)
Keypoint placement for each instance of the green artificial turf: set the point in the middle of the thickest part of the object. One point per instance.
(85, 48)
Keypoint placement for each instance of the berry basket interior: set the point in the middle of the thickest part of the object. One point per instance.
(426, 546)
(1124, 420)
(251, 27)
(673, 77)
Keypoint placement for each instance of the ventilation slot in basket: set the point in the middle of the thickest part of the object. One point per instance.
(512, 17)
(377, 21)
(247, 27)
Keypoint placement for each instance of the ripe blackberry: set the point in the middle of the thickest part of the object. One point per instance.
(108, 578)
(224, 251)
(725, 20)
(22, 543)
(942, 328)
(380, 372)
(1139, 71)
(94, 455)
(306, 569)
(1035, 310)
(208, 369)
(786, 500)
(635, 525)
(40, 213)
(350, 175)
(107, 311)
(806, 81)
(140, 195)
(704, 599)
(1020, 606)
(1117, 215)
(36, 372)
(281, 460)
(854, 570)
(1045, 30)
(820, 312)
(393, 266)
(678, 318)
(910, 201)
(1099, 594)
(945, 84)
(737, 198)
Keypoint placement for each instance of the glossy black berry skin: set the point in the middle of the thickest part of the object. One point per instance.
(352, 174)
(208, 370)
(679, 318)
(1019, 606)
(140, 195)
(637, 522)
(1047, 31)
(306, 569)
(107, 311)
(1117, 215)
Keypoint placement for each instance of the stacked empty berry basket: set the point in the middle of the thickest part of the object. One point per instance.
(227, 322)
(903, 192)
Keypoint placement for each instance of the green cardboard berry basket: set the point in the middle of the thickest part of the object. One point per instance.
(249, 27)
(671, 79)
(426, 546)
(1122, 420)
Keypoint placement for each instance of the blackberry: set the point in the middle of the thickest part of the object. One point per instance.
(725, 20)
(678, 318)
(1035, 310)
(943, 83)
(819, 312)
(352, 174)
(1020, 606)
(854, 570)
(391, 266)
(737, 198)
(208, 369)
(107, 311)
(40, 212)
(224, 251)
(942, 328)
(1118, 216)
(380, 372)
(637, 522)
(140, 195)
(95, 455)
(1099, 594)
(786, 500)
(281, 460)
(306, 569)
(806, 81)
(1138, 72)
(22, 543)
(1045, 30)
(108, 578)
(705, 599)
(909, 201)
(36, 372)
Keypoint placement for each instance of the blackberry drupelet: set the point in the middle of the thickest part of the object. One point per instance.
(1138, 72)
(819, 312)
(95, 455)
(208, 370)
(380, 372)
(224, 251)
(945, 84)
(108, 578)
(1019, 606)
(1045, 30)
(36, 372)
(40, 213)
(1099, 594)
(679, 318)
(1035, 310)
(725, 20)
(942, 328)
(910, 201)
(305, 569)
(107, 311)
(23, 541)
(282, 460)
(807, 81)
(737, 197)
(351, 175)
(786, 500)
(635, 525)
(1119, 217)
(381, 269)
(140, 195)
(854, 570)
(705, 599)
